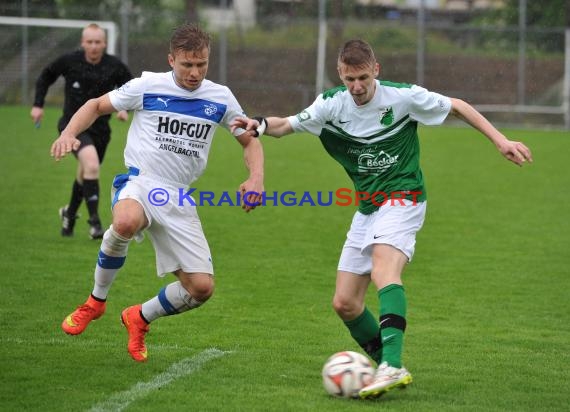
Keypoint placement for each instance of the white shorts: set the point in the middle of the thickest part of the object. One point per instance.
(394, 225)
(175, 231)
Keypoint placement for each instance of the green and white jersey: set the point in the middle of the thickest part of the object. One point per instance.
(377, 143)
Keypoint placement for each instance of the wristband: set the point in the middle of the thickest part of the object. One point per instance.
(262, 126)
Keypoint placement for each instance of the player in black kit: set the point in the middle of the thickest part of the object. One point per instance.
(88, 73)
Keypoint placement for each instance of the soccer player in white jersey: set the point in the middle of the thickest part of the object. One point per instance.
(175, 116)
(370, 128)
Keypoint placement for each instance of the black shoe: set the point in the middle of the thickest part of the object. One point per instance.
(96, 230)
(67, 222)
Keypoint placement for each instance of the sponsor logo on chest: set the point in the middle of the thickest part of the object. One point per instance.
(376, 163)
(177, 127)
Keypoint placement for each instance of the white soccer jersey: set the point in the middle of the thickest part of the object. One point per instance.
(377, 143)
(392, 107)
(172, 128)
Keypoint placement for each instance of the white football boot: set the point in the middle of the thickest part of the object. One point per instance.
(386, 379)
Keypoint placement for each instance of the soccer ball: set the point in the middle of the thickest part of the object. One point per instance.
(345, 373)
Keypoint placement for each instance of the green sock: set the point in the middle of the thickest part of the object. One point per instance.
(392, 323)
(365, 331)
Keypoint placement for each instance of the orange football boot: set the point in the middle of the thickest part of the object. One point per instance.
(77, 321)
(137, 329)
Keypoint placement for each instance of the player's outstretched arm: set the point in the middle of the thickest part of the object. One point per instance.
(272, 126)
(80, 122)
(278, 126)
(516, 152)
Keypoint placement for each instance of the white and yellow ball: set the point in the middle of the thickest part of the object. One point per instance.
(345, 373)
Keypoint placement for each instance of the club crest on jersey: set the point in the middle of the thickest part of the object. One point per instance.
(304, 115)
(386, 116)
(376, 163)
(210, 109)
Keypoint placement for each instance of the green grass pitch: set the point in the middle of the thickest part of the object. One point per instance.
(488, 289)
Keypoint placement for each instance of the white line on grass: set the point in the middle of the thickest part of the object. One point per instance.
(82, 342)
(187, 366)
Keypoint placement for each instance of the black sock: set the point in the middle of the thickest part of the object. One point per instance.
(76, 198)
(91, 195)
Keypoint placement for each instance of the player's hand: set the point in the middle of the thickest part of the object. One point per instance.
(249, 125)
(516, 152)
(123, 115)
(37, 115)
(63, 145)
(251, 194)
(239, 122)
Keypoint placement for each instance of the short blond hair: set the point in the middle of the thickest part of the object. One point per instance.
(189, 38)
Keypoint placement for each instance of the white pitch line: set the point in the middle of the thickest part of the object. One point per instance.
(82, 342)
(187, 366)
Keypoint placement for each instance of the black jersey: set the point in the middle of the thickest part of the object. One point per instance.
(83, 81)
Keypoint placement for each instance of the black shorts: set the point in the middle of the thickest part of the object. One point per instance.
(89, 139)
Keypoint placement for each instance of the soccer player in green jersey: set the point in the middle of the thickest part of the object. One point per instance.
(370, 126)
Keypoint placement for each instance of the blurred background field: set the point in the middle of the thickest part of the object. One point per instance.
(509, 58)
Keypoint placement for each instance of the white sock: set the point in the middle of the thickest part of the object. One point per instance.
(111, 258)
(171, 300)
